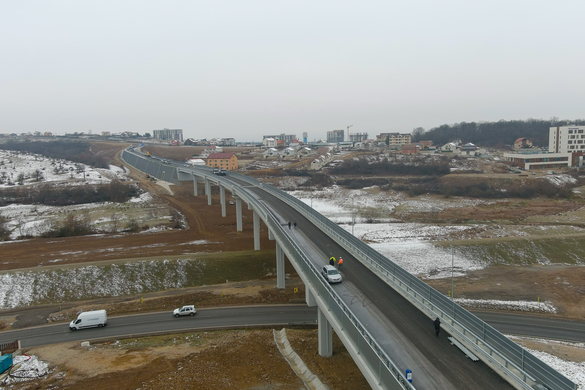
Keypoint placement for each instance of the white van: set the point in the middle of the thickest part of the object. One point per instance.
(90, 319)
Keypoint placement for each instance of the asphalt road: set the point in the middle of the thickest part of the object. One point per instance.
(164, 322)
(403, 331)
(273, 315)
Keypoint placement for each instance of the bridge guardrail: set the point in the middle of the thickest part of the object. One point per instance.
(475, 330)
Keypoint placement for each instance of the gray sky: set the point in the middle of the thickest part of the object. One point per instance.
(247, 68)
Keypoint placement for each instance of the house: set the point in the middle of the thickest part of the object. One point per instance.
(209, 150)
(288, 152)
(304, 151)
(410, 149)
(270, 152)
(425, 144)
(469, 149)
(227, 161)
(321, 161)
(522, 143)
(449, 147)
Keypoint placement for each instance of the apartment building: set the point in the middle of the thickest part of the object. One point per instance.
(566, 139)
(168, 134)
(395, 139)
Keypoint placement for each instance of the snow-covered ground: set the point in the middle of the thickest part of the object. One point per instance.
(407, 244)
(575, 371)
(25, 368)
(12, 164)
(34, 220)
(529, 306)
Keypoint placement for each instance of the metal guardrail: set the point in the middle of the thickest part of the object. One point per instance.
(501, 351)
(487, 341)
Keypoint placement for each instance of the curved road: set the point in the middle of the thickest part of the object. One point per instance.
(164, 322)
(256, 316)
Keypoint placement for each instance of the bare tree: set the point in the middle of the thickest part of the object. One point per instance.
(115, 218)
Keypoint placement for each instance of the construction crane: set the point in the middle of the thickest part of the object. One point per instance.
(348, 132)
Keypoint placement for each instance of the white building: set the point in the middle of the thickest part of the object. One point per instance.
(270, 152)
(269, 143)
(168, 134)
(566, 139)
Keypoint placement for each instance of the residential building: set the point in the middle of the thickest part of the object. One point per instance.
(566, 139)
(410, 149)
(426, 144)
(449, 147)
(168, 134)
(522, 143)
(270, 152)
(335, 136)
(395, 140)
(209, 150)
(227, 161)
(287, 138)
(358, 137)
(468, 149)
(269, 143)
(227, 142)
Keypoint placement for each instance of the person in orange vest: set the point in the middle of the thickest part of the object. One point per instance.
(340, 262)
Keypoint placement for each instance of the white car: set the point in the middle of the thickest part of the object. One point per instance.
(188, 310)
(331, 274)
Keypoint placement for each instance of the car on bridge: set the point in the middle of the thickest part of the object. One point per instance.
(188, 310)
(331, 274)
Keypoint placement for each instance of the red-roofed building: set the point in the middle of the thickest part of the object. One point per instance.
(227, 161)
(410, 149)
(522, 143)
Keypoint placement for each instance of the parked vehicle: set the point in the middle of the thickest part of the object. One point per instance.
(222, 172)
(331, 274)
(216, 171)
(90, 319)
(188, 310)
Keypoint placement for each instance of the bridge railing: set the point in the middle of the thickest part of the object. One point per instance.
(514, 360)
(350, 326)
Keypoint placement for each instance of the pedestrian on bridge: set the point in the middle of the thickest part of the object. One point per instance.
(332, 261)
(437, 323)
(340, 262)
(295, 225)
(289, 224)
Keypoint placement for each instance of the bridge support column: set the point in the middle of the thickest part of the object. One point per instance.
(195, 192)
(256, 231)
(280, 276)
(325, 335)
(208, 191)
(239, 214)
(222, 199)
(310, 297)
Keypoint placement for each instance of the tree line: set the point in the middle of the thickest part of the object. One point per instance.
(494, 134)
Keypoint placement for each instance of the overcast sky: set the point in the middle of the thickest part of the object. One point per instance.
(247, 68)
